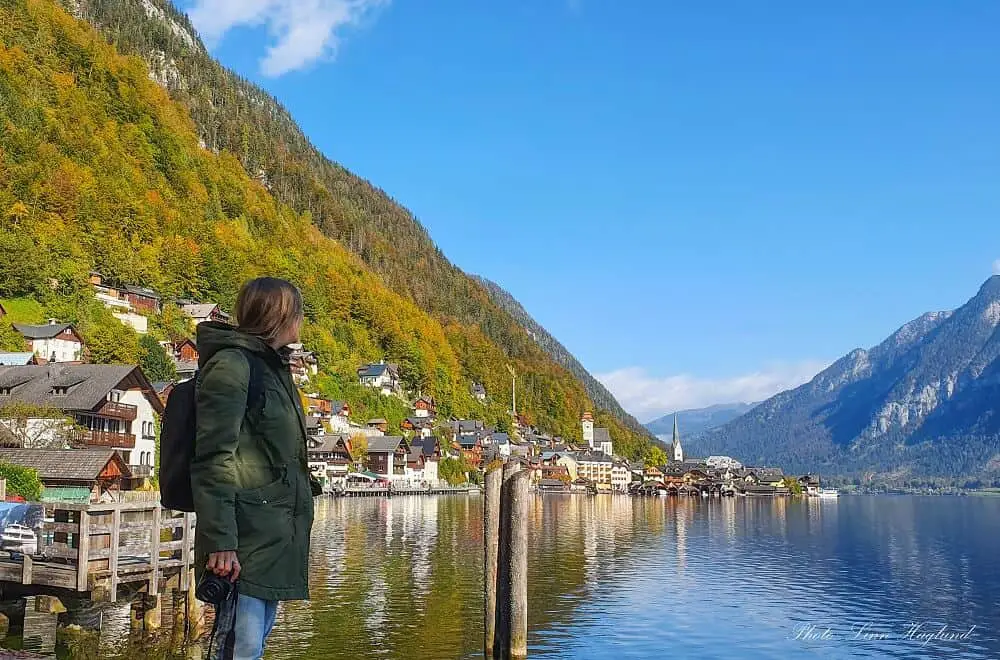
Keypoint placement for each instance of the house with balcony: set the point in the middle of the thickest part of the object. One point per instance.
(381, 376)
(53, 341)
(621, 476)
(378, 425)
(421, 426)
(595, 466)
(387, 456)
(105, 406)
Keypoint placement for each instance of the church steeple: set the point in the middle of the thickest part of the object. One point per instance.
(678, 451)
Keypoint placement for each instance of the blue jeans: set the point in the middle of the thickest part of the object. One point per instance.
(254, 621)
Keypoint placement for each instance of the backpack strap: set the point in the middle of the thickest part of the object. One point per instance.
(255, 388)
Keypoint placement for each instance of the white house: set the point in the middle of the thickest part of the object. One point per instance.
(53, 342)
(340, 414)
(109, 406)
(621, 477)
(137, 322)
(723, 462)
(381, 376)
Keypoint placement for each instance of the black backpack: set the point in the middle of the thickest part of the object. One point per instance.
(177, 434)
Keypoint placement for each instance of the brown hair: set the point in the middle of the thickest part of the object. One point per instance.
(267, 306)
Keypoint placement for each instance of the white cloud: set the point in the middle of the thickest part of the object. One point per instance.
(996, 267)
(302, 31)
(647, 396)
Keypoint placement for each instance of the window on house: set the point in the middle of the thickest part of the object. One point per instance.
(60, 390)
(5, 391)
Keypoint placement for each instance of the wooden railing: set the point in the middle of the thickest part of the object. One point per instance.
(124, 411)
(97, 547)
(106, 439)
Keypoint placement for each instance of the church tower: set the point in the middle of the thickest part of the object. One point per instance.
(676, 444)
(588, 429)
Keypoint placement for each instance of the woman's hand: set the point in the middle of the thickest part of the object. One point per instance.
(223, 564)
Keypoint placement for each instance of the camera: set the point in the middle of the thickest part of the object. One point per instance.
(213, 589)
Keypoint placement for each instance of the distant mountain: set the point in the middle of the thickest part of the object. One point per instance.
(599, 394)
(923, 402)
(692, 423)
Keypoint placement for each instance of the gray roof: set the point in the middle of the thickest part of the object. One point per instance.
(62, 464)
(88, 384)
(46, 331)
(142, 291)
(500, 438)
(384, 444)
(313, 423)
(337, 406)
(427, 445)
(161, 385)
(601, 435)
(15, 359)
(377, 369)
(199, 310)
(377, 420)
(593, 457)
(185, 366)
(325, 444)
(466, 425)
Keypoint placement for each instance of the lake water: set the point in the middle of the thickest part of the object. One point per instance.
(616, 577)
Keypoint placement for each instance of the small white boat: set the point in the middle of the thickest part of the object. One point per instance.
(828, 493)
(19, 538)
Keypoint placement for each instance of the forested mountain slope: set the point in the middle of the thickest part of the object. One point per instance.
(599, 394)
(100, 169)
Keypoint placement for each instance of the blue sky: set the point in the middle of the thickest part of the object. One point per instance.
(704, 201)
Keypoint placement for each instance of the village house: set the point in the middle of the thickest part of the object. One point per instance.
(379, 424)
(422, 426)
(317, 406)
(595, 466)
(381, 376)
(53, 341)
(387, 456)
(340, 413)
(76, 475)
(723, 462)
(143, 299)
(810, 484)
(110, 406)
(424, 407)
(329, 457)
(203, 312)
(182, 349)
(621, 476)
(303, 365)
(565, 460)
(479, 392)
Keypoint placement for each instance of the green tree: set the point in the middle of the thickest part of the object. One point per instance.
(454, 471)
(11, 339)
(22, 481)
(112, 343)
(655, 456)
(793, 485)
(155, 362)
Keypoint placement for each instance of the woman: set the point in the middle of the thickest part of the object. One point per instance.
(249, 476)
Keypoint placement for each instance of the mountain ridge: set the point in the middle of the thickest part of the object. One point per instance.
(920, 402)
(695, 421)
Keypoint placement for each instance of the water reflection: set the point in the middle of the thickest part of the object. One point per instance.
(613, 577)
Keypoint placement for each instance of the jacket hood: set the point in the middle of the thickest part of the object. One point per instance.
(212, 337)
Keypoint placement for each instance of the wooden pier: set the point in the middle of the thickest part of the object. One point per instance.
(387, 491)
(96, 549)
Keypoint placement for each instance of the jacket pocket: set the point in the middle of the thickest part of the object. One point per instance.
(265, 529)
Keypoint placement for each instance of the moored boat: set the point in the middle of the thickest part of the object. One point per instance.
(828, 493)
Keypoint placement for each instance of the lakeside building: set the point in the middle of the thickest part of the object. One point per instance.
(108, 406)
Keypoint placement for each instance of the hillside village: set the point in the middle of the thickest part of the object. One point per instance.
(90, 430)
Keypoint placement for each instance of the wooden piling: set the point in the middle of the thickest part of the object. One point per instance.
(517, 607)
(511, 563)
(492, 482)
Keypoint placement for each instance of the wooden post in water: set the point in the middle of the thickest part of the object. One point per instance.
(510, 638)
(517, 608)
(491, 541)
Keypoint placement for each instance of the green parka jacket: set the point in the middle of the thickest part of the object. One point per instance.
(250, 476)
